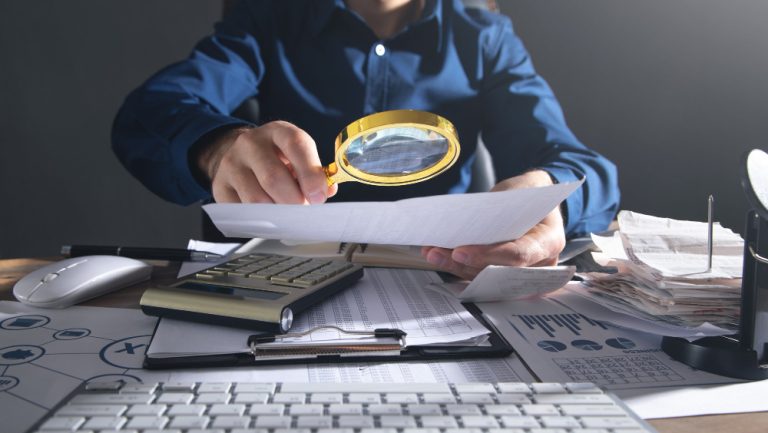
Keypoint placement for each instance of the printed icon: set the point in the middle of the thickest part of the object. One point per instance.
(71, 334)
(552, 346)
(587, 345)
(7, 382)
(24, 322)
(126, 353)
(18, 354)
(13, 355)
(620, 343)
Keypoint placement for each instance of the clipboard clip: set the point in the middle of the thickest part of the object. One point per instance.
(281, 346)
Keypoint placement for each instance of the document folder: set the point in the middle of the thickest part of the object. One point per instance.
(386, 345)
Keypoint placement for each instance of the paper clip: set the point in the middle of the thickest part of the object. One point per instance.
(264, 345)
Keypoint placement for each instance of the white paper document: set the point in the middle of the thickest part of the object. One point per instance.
(445, 221)
(562, 341)
(383, 298)
(506, 283)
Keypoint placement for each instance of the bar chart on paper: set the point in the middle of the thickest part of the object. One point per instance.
(563, 345)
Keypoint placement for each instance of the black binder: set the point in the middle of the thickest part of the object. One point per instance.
(394, 352)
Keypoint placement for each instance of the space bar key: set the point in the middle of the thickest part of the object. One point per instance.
(364, 387)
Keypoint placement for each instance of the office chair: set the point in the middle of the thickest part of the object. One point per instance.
(483, 176)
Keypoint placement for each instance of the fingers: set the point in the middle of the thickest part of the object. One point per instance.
(274, 163)
(300, 149)
(441, 258)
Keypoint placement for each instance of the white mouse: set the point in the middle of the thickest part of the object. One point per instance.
(78, 279)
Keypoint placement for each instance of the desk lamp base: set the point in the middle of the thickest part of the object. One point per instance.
(718, 355)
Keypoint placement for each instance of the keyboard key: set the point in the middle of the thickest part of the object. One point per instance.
(307, 409)
(189, 422)
(138, 388)
(252, 397)
(356, 421)
(147, 422)
(609, 422)
(226, 409)
(92, 410)
(462, 409)
(439, 398)
(175, 398)
(401, 398)
(480, 421)
(212, 398)
(104, 423)
(397, 421)
(186, 409)
(573, 399)
(519, 422)
(539, 409)
(314, 421)
(438, 421)
(385, 409)
(468, 388)
(364, 397)
(502, 409)
(271, 421)
(220, 388)
(345, 409)
(231, 422)
(329, 398)
(267, 388)
(112, 399)
(514, 387)
(67, 423)
(146, 409)
(267, 409)
(559, 422)
(583, 388)
(513, 399)
(548, 388)
(424, 409)
(289, 397)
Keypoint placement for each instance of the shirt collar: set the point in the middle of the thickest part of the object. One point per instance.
(432, 15)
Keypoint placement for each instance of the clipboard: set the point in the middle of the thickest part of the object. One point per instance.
(394, 350)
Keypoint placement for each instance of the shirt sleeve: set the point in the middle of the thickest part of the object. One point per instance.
(524, 128)
(159, 122)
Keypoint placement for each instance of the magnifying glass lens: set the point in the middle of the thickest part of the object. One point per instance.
(397, 151)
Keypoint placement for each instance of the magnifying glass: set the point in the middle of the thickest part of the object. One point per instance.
(393, 148)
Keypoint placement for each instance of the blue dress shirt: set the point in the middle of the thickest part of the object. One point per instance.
(316, 64)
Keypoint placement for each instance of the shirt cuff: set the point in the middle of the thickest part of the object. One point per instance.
(197, 127)
(572, 205)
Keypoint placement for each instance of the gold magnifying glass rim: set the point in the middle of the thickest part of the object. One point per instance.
(342, 171)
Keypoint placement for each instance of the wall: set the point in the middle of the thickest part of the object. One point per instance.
(672, 91)
(66, 67)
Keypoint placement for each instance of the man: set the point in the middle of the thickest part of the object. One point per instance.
(315, 66)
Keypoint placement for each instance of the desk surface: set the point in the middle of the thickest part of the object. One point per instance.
(13, 269)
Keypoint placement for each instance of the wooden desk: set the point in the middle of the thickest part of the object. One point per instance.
(13, 269)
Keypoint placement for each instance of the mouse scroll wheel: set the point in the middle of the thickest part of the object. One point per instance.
(50, 277)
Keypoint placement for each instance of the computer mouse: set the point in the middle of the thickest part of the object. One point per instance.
(78, 279)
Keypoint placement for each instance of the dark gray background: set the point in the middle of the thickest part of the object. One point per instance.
(672, 90)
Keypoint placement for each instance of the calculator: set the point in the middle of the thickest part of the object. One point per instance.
(254, 291)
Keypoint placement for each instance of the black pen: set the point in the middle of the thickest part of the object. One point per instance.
(139, 253)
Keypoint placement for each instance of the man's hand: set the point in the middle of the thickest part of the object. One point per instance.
(274, 163)
(539, 247)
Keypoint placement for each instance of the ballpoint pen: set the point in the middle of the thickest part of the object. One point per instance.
(179, 254)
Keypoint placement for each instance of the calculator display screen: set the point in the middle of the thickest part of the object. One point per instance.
(230, 290)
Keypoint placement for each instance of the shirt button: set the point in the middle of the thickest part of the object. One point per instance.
(380, 50)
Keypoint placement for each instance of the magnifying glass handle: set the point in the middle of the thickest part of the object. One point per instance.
(334, 175)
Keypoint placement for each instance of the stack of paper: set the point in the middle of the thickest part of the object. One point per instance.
(662, 272)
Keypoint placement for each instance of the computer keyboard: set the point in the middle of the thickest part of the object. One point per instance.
(257, 291)
(341, 408)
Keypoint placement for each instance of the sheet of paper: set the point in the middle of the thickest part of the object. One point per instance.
(678, 249)
(225, 249)
(45, 354)
(505, 283)
(561, 343)
(383, 298)
(453, 220)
